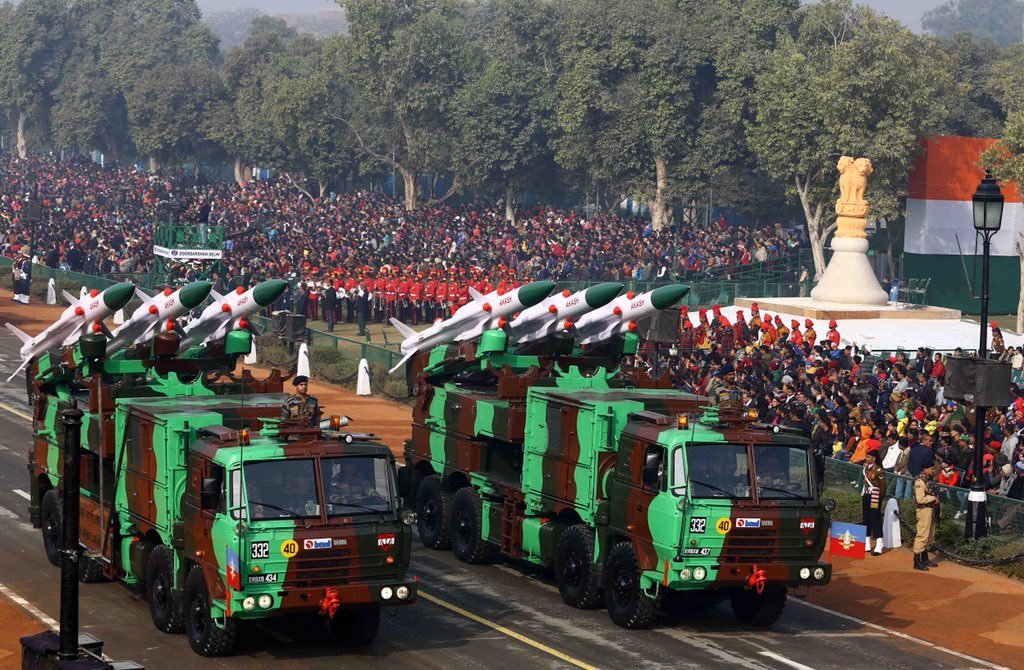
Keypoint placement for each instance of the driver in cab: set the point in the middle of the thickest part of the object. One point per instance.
(351, 485)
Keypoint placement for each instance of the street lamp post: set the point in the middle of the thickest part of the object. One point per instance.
(988, 217)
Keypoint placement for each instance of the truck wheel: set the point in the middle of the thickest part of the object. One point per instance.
(90, 571)
(433, 508)
(204, 635)
(52, 525)
(355, 627)
(574, 560)
(759, 610)
(467, 543)
(167, 612)
(628, 606)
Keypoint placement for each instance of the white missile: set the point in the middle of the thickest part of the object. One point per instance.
(621, 315)
(157, 314)
(85, 315)
(486, 311)
(558, 312)
(230, 311)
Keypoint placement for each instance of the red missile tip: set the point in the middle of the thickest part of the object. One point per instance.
(93, 293)
(79, 311)
(168, 291)
(170, 324)
(567, 324)
(552, 309)
(225, 308)
(631, 295)
(153, 309)
(243, 323)
(97, 328)
(617, 311)
(502, 322)
(566, 293)
(632, 326)
(487, 307)
(239, 290)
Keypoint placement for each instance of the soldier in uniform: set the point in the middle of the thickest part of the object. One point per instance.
(832, 335)
(21, 271)
(810, 337)
(755, 322)
(300, 403)
(927, 515)
(722, 388)
(781, 330)
(795, 336)
(740, 329)
(998, 346)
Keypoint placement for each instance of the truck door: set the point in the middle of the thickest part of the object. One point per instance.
(213, 549)
(639, 479)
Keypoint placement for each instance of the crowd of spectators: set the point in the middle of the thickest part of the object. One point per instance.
(849, 402)
(100, 219)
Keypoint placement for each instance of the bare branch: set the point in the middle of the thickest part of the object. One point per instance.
(829, 229)
(452, 190)
(302, 190)
(366, 148)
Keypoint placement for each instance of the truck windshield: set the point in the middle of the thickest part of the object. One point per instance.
(782, 472)
(356, 485)
(718, 471)
(281, 489)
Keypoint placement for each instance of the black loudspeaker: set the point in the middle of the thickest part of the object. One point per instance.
(280, 324)
(662, 326)
(296, 328)
(987, 382)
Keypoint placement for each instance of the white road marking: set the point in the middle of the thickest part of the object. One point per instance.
(904, 636)
(785, 661)
(24, 495)
(29, 607)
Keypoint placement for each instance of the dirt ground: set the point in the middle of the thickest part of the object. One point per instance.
(17, 623)
(972, 611)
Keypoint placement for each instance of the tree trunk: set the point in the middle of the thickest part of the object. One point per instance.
(22, 145)
(323, 189)
(510, 207)
(154, 164)
(814, 233)
(240, 172)
(660, 210)
(409, 178)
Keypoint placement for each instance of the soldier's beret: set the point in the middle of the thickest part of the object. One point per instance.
(300, 379)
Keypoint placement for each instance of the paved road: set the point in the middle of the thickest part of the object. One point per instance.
(505, 615)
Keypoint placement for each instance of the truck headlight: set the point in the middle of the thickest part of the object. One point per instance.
(685, 574)
(402, 592)
(249, 604)
(805, 573)
(699, 573)
(386, 593)
(265, 601)
(830, 505)
(408, 517)
(819, 573)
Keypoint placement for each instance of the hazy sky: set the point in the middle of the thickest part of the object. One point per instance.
(907, 11)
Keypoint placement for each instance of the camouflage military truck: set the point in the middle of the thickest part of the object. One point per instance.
(195, 492)
(641, 498)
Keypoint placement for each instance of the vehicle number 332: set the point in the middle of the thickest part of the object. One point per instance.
(260, 550)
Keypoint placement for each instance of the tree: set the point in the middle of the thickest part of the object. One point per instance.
(1000, 20)
(31, 58)
(849, 82)
(407, 62)
(630, 108)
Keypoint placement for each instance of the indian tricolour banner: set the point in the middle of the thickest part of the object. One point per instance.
(939, 210)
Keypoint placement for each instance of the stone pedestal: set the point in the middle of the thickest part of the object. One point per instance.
(849, 277)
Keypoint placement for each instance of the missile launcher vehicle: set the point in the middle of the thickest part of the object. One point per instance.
(196, 492)
(639, 497)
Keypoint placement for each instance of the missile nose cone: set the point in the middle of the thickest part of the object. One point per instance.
(267, 292)
(194, 293)
(602, 294)
(668, 296)
(531, 294)
(118, 295)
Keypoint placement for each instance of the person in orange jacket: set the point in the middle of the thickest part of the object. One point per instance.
(810, 337)
(833, 334)
(795, 336)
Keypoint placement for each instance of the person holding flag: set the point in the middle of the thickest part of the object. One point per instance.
(927, 515)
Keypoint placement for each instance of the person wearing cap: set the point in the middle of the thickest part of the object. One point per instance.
(810, 337)
(872, 491)
(780, 328)
(795, 336)
(300, 403)
(833, 334)
(998, 346)
(722, 388)
(927, 515)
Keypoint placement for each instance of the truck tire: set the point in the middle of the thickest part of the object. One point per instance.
(466, 525)
(574, 561)
(166, 611)
(355, 627)
(433, 509)
(628, 606)
(52, 525)
(759, 610)
(204, 636)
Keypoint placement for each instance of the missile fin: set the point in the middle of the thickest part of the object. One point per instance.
(476, 295)
(106, 331)
(402, 362)
(72, 337)
(21, 367)
(72, 300)
(146, 299)
(405, 330)
(22, 335)
(217, 297)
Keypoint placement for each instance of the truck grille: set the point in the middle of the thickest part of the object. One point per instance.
(746, 546)
(337, 568)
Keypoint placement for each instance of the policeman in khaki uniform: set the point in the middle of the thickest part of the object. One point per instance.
(927, 512)
(300, 403)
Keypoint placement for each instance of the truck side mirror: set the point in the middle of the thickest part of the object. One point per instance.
(210, 498)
